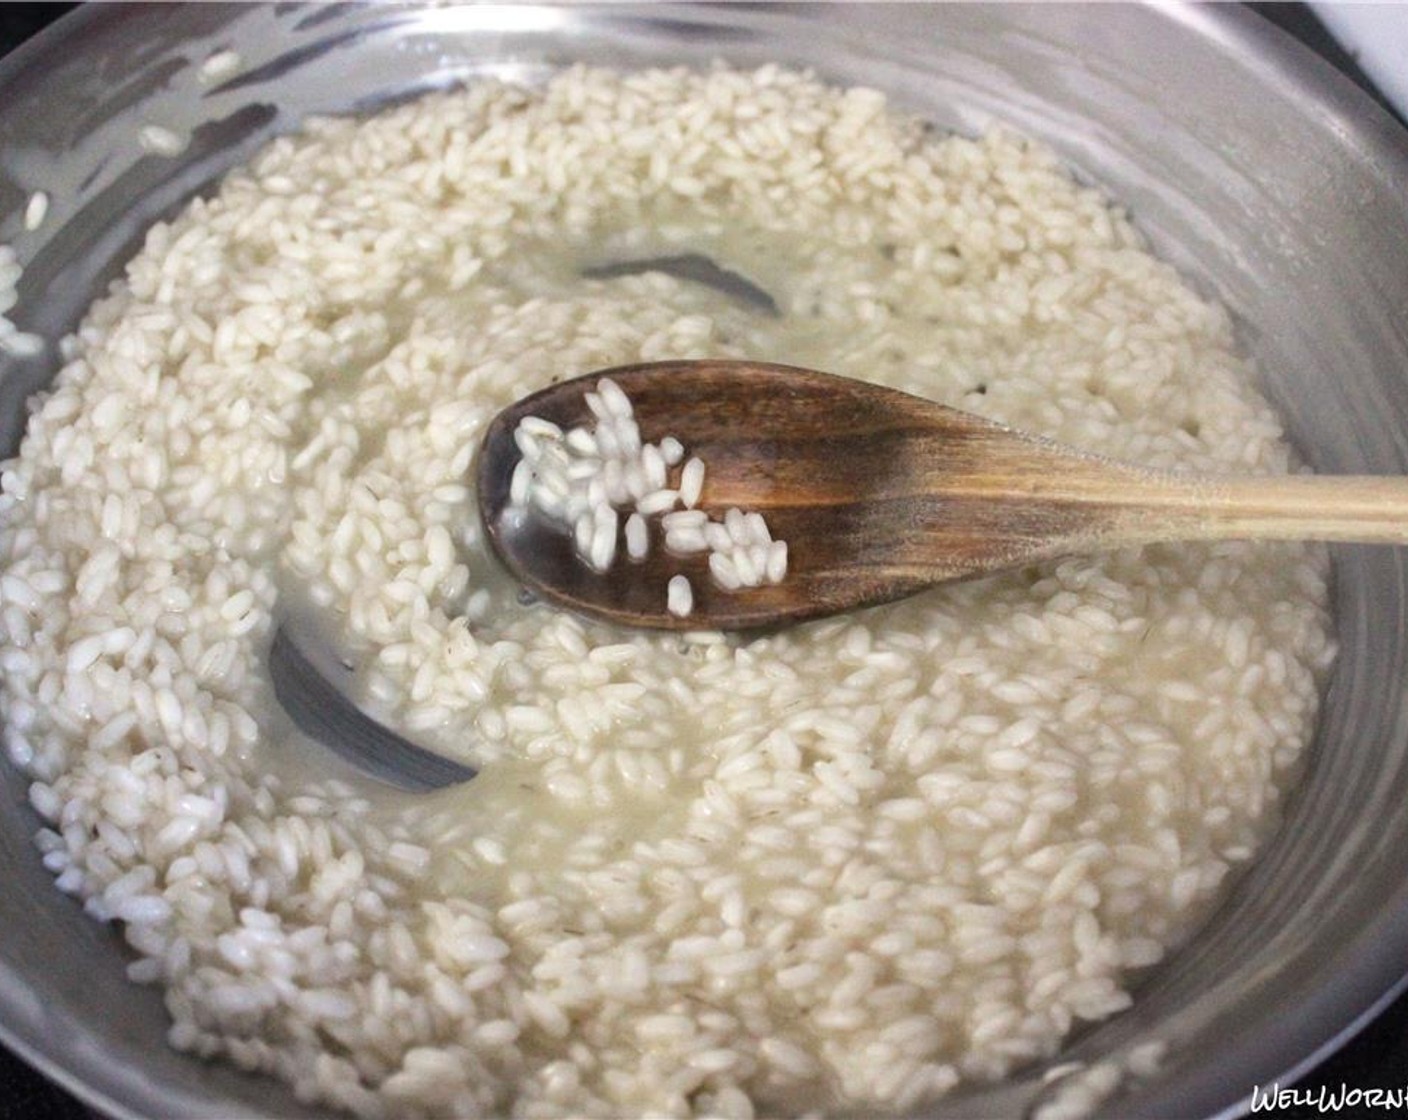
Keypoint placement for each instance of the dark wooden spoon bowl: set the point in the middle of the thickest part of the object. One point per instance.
(881, 494)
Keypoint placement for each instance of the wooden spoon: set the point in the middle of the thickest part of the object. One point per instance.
(880, 494)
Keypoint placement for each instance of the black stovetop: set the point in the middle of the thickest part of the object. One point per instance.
(1376, 1058)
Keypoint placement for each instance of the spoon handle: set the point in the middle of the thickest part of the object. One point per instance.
(1361, 508)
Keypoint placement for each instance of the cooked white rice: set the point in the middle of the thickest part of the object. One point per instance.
(161, 141)
(14, 342)
(219, 67)
(580, 479)
(36, 210)
(848, 865)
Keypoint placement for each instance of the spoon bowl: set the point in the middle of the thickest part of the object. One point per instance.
(880, 494)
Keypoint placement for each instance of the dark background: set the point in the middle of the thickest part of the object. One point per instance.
(1376, 1058)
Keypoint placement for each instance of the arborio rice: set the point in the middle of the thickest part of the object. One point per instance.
(848, 865)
